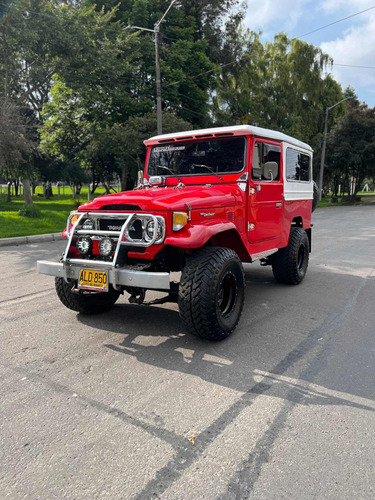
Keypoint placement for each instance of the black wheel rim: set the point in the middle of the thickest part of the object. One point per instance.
(301, 257)
(227, 295)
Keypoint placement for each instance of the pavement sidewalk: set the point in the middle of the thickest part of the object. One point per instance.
(24, 240)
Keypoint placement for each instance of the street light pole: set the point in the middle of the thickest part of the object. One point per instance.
(159, 114)
(321, 172)
(156, 31)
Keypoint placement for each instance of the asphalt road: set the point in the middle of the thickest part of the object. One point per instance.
(125, 405)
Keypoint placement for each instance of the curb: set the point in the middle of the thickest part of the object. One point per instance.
(24, 240)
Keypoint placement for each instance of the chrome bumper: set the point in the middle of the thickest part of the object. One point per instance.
(116, 276)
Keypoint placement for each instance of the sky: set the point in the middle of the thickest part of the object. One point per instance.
(350, 42)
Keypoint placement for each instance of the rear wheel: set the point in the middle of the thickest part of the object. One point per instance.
(211, 293)
(85, 303)
(290, 263)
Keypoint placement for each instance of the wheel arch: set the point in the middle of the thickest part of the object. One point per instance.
(298, 222)
(230, 239)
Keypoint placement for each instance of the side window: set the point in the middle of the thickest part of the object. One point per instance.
(297, 166)
(257, 166)
(266, 162)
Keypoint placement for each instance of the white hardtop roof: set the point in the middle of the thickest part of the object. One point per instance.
(236, 130)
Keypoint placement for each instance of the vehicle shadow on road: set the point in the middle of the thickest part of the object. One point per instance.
(260, 360)
(156, 336)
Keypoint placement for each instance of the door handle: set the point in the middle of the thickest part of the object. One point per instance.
(278, 205)
(258, 188)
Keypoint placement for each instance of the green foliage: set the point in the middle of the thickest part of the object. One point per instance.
(125, 142)
(279, 85)
(15, 147)
(351, 149)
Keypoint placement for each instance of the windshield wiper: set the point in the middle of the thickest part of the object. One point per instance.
(208, 168)
(171, 171)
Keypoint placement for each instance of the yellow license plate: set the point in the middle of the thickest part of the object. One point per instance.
(91, 279)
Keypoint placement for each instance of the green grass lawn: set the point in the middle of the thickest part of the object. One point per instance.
(53, 214)
(366, 198)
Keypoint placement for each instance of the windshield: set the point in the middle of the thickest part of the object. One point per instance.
(205, 157)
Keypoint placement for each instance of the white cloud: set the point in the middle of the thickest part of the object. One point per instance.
(281, 16)
(349, 6)
(355, 47)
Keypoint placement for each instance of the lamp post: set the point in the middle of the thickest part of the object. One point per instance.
(321, 172)
(156, 32)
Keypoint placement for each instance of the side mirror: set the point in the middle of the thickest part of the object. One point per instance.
(270, 170)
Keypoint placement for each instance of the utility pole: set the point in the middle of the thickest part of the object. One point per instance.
(159, 114)
(156, 32)
(321, 172)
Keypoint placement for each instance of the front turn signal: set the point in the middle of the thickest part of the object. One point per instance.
(75, 217)
(179, 220)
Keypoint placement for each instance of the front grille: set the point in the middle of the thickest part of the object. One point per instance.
(111, 224)
(135, 230)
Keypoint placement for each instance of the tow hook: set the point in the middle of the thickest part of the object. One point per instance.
(137, 296)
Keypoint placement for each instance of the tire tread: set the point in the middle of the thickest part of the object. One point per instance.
(197, 307)
(85, 304)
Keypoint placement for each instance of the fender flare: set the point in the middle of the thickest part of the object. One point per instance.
(196, 234)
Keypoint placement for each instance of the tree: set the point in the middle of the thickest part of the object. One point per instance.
(40, 39)
(279, 85)
(351, 149)
(15, 147)
(125, 141)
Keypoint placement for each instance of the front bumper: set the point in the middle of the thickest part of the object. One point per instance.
(117, 276)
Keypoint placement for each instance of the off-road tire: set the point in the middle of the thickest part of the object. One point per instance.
(211, 293)
(85, 303)
(315, 196)
(289, 264)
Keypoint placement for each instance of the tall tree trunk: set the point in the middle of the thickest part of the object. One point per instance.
(94, 185)
(27, 192)
(9, 193)
(107, 188)
(126, 181)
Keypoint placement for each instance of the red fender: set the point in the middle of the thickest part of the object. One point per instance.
(195, 235)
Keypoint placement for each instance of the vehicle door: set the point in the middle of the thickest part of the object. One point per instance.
(265, 206)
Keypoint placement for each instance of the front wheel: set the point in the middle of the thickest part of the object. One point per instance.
(211, 293)
(85, 303)
(289, 264)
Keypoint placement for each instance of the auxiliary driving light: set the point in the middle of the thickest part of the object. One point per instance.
(150, 228)
(88, 225)
(84, 245)
(106, 247)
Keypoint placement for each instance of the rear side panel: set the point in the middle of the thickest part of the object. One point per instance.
(298, 193)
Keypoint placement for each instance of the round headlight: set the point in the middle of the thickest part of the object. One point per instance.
(88, 225)
(150, 227)
(106, 247)
(84, 245)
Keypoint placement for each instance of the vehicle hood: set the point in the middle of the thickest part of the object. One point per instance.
(167, 198)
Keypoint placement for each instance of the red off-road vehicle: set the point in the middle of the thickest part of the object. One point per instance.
(207, 201)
